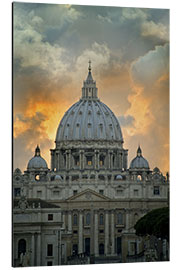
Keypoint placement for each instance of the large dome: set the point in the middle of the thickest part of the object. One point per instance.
(37, 162)
(139, 162)
(89, 118)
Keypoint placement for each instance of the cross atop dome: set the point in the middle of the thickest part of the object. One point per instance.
(89, 66)
(89, 89)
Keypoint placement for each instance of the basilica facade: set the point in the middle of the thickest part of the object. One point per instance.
(84, 207)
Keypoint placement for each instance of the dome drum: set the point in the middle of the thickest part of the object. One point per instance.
(95, 159)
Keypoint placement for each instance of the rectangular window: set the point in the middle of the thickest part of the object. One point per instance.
(101, 231)
(89, 160)
(136, 192)
(56, 193)
(156, 190)
(49, 250)
(74, 192)
(39, 193)
(76, 161)
(49, 263)
(119, 219)
(50, 216)
(101, 191)
(120, 192)
(132, 248)
(17, 192)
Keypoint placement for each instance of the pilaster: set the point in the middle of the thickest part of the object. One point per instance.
(80, 248)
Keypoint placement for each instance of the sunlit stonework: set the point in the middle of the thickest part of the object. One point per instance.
(84, 208)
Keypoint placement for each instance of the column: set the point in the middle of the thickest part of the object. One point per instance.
(109, 159)
(66, 159)
(127, 219)
(81, 159)
(52, 160)
(57, 164)
(38, 249)
(125, 160)
(106, 232)
(69, 221)
(80, 246)
(119, 160)
(97, 157)
(112, 233)
(63, 220)
(96, 249)
(33, 250)
(70, 165)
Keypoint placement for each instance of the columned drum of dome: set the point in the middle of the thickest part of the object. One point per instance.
(89, 136)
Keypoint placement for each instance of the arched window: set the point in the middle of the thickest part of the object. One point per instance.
(88, 219)
(21, 247)
(89, 160)
(139, 177)
(101, 160)
(119, 218)
(37, 177)
(75, 219)
(101, 219)
(76, 160)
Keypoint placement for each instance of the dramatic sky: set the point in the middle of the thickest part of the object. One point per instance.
(129, 50)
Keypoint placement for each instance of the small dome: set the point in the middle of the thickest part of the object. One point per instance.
(139, 162)
(58, 177)
(17, 171)
(156, 170)
(119, 177)
(37, 162)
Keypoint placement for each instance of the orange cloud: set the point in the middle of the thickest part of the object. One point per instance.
(140, 111)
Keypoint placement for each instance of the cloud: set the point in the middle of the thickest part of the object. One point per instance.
(126, 120)
(149, 105)
(134, 13)
(151, 29)
(28, 132)
(151, 66)
(104, 19)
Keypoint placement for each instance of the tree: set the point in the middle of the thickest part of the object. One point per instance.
(156, 223)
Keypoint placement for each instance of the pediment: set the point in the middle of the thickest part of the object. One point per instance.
(88, 195)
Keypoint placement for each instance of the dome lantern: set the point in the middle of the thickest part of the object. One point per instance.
(37, 151)
(139, 151)
(89, 89)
